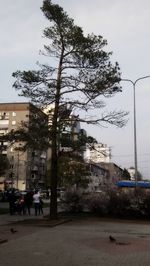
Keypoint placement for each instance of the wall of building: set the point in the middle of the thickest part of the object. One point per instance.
(97, 153)
(20, 174)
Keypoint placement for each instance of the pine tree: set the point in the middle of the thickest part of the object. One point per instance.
(80, 76)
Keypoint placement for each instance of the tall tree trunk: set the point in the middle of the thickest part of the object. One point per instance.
(53, 201)
(54, 160)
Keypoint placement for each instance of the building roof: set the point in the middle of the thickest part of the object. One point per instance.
(98, 166)
(110, 165)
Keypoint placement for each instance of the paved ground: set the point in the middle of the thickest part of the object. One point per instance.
(76, 243)
(6, 218)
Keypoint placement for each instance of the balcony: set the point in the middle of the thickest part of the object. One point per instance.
(4, 124)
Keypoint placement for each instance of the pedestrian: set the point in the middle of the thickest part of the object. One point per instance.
(21, 205)
(28, 201)
(36, 201)
(47, 194)
(11, 200)
(41, 206)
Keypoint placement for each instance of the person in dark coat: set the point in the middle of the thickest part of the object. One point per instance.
(11, 200)
(28, 201)
(21, 205)
(41, 206)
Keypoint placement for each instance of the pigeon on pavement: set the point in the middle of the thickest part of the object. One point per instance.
(3, 241)
(13, 231)
(112, 239)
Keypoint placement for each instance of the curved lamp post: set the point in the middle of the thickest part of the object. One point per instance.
(135, 140)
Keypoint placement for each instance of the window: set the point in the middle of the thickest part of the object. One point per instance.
(4, 124)
(13, 114)
(13, 122)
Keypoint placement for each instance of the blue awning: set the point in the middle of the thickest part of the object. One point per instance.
(143, 184)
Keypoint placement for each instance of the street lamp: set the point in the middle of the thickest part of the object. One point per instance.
(135, 140)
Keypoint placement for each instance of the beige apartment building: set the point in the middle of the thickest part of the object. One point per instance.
(98, 153)
(27, 169)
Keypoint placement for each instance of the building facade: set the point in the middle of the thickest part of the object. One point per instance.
(97, 153)
(131, 171)
(98, 178)
(27, 168)
(115, 173)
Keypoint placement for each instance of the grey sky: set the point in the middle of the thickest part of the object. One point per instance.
(125, 25)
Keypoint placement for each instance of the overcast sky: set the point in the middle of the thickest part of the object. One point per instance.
(125, 25)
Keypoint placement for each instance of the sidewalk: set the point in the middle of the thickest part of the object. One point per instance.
(80, 243)
(7, 218)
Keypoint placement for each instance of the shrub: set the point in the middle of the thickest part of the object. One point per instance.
(73, 201)
(119, 203)
(146, 205)
(98, 203)
(123, 204)
(126, 204)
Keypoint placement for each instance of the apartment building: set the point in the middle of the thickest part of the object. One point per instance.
(69, 127)
(98, 177)
(28, 168)
(131, 171)
(115, 173)
(97, 153)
